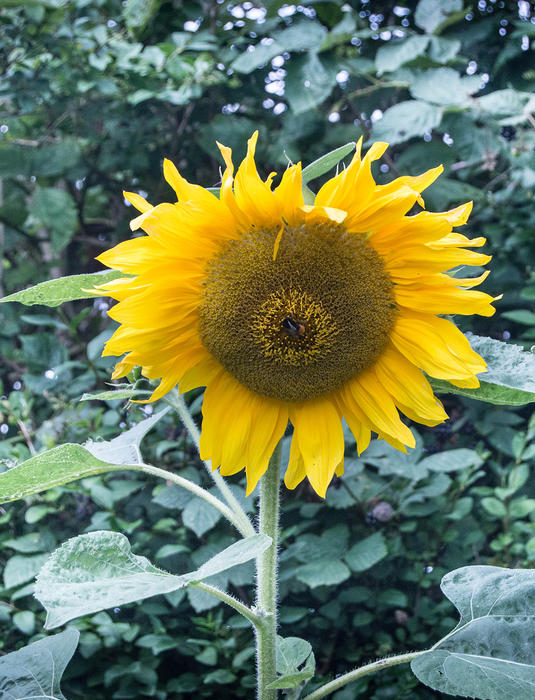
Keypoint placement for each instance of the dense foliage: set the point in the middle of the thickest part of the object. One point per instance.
(93, 94)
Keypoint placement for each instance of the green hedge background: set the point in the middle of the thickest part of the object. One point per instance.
(93, 94)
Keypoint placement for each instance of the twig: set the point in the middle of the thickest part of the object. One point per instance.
(24, 430)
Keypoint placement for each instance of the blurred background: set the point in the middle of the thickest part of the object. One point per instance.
(93, 95)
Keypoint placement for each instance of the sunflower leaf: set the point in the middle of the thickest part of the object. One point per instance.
(35, 670)
(327, 162)
(58, 291)
(489, 655)
(115, 394)
(97, 571)
(295, 663)
(70, 462)
(510, 379)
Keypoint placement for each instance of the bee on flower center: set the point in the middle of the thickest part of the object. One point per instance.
(296, 329)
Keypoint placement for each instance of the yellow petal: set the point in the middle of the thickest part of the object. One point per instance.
(295, 473)
(133, 255)
(289, 194)
(314, 214)
(378, 407)
(417, 183)
(319, 435)
(437, 346)
(240, 429)
(200, 375)
(444, 300)
(356, 420)
(139, 202)
(408, 387)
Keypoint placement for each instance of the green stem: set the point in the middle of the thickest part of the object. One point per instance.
(229, 600)
(176, 400)
(339, 682)
(227, 512)
(266, 584)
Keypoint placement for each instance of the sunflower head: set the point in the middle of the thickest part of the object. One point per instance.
(294, 312)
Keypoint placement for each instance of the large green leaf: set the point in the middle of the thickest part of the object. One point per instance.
(56, 210)
(326, 572)
(70, 462)
(57, 291)
(300, 37)
(366, 553)
(395, 53)
(490, 654)
(405, 120)
(309, 81)
(49, 159)
(34, 672)
(54, 467)
(96, 571)
(510, 379)
(502, 103)
(444, 86)
(430, 14)
(138, 12)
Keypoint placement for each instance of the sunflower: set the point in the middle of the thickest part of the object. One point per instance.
(287, 311)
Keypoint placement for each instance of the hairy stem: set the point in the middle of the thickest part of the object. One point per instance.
(229, 600)
(339, 682)
(266, 584)
(227, 512)
(176, 400)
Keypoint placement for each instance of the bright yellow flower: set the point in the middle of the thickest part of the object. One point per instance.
(306, 313)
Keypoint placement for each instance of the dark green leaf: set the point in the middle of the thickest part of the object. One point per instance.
(309, 82)
(56, 210)
(367, 552)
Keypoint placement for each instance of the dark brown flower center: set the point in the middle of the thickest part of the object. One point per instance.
(300, 326)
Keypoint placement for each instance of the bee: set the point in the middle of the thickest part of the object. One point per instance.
(294, 328)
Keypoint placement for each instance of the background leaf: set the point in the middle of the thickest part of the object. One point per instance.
(430, 14)
(405, 120)
(367, 552)
(56, 210)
